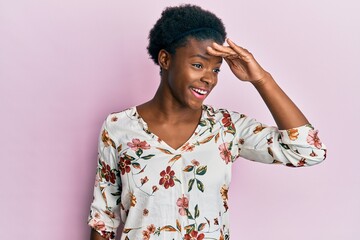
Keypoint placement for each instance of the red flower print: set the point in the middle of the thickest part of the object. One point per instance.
(167, 178)
(155, 188)
(313, 154)
(151, 228)
(145, 212)
(144, 180)
(107, 173)
(313, 139)
(193, 235)
(136, 144)
(226, 120)
(302, 162)
(225, 153)
(124, 165)
(183, 204)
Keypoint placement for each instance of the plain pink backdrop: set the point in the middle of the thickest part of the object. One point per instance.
(64, 65)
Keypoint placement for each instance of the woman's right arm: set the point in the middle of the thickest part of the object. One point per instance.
(104, 217)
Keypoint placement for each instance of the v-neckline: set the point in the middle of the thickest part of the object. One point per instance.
(161, 141)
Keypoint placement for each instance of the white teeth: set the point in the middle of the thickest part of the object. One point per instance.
(202, 92)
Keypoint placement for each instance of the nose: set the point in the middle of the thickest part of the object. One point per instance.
(209, 77)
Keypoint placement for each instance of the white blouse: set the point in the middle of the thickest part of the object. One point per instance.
(158, 192)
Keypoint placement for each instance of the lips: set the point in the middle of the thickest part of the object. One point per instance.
(199, 93)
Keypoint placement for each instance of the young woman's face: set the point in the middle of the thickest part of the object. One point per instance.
(193, 73)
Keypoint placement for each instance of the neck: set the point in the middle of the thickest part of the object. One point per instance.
(165, 108)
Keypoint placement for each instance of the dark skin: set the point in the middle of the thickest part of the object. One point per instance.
(174, 112)
(190, 74)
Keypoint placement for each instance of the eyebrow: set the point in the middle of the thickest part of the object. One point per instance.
(203, 57)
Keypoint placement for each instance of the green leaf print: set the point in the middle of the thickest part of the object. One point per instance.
(200, 185)
(202, 123)
(201, 170)
(136, 165)
(190, 184)
(139, 152)
(189, 228)
(201, 226)
(285, 146)
(197, 211)
(147, 157)
(189, 215)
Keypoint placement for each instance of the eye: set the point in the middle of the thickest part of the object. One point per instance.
(216, 70)
(197, 65)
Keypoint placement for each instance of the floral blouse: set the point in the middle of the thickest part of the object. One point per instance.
(158, 192)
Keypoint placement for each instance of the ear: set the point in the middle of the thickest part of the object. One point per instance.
(164, 59)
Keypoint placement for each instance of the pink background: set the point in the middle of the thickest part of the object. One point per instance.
(64, 65)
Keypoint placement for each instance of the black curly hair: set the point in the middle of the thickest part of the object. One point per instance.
(179, 23)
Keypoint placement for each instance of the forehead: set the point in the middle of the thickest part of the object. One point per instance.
(195, 47)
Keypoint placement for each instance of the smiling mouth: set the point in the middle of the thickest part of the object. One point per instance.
(200, 91)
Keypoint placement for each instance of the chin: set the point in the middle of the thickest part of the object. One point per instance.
(195, 106)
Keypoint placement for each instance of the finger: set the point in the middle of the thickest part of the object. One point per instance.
(239, 50)
(217, 53)
(224, 49)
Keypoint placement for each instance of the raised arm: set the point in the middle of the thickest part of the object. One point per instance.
(244, 66)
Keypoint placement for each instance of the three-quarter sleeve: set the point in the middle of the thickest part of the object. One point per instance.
(104, 214)
(296, 147)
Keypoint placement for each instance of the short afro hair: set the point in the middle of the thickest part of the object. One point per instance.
(178, 23)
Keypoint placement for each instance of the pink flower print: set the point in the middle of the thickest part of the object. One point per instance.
(136, 144)
(167, 178)
(195, 162)
(183, 204)
(146, 235)
(97, 224)
(313, 139)
(225, 153)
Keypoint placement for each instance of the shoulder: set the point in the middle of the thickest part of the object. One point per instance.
(121, 119)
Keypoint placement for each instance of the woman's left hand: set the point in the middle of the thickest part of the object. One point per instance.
(241, 62)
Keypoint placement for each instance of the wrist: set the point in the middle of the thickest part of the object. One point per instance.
(265, 80)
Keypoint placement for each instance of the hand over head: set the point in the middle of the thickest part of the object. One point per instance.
(241, 62)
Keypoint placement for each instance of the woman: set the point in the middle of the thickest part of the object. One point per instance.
(165, 166)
